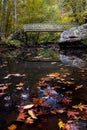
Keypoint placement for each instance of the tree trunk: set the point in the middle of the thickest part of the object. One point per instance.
(15, 14)
(4, 2)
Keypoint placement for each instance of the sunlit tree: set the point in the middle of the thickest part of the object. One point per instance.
(77, 9)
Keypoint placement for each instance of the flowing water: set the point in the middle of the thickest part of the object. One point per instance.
(25, 69)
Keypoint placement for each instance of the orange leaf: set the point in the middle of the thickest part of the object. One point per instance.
(66, 126)
(12, 127)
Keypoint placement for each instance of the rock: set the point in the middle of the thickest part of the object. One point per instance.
(72, 60)
(74, 34)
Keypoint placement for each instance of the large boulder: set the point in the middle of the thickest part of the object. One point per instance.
(74, 34)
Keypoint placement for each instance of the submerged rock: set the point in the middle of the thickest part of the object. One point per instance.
(72, 61)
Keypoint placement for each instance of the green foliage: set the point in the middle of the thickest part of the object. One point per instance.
(29, 11)
(12, 42)
(85, 41)
(42, 11)
(49, 52)
(77, 9)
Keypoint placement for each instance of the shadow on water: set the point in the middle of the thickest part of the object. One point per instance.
(20, 82)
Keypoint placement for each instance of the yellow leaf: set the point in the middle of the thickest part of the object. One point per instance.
(31, 113)
(80, 106)
(53, 112)
(61, 124)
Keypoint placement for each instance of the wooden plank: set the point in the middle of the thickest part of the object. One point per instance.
(43, 27)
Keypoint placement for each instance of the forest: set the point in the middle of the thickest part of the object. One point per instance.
(15, 13)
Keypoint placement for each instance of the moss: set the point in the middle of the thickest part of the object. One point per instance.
(84, 41)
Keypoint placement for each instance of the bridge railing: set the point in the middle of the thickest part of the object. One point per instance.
(47, 27)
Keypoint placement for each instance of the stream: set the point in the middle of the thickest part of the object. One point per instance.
(31, 73)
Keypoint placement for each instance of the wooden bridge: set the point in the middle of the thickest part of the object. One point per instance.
(47, 27)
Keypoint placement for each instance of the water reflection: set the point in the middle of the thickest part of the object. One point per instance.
(72, 60)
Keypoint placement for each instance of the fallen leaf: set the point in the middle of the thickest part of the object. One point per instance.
(12, 127)
(29, 121)
(62, 110)
(21, 116)
(20, 84)
(32, 114)
(65, 100)
(37, 101)
(53, 112)
(80, 106)
(3, 88)
(53, 74)
(69, 83)
(16, 75)
(20, 109)
(67, 127)
(19, 88)
(78, 87)
(28, 106)
(61, 124)
(1, 94)
(68, 92)
(72, 113)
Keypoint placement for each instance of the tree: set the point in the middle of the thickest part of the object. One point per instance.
(77, 9)
(3, 9)
(15, 14)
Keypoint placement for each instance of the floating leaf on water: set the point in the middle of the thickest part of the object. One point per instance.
(37, 101)
(19, 88)
(16, 75)
(1, 94)
(78, 87)
(29, 121)
(69, 83)
(53, 112)
(12, 127)
(20, 84)
(47, 79)
(72, 113)
(67, 126)
(66, 100)
(61, 124)
(45, 105)
(32, 114)
(4, 87)
(28, 106)
(21, 116)
(80, 107)
(62, 110)
(42, 83)
(68, 92)
(53, 74)
(1, 85)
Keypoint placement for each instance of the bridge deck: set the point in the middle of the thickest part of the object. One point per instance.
(43, 27)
